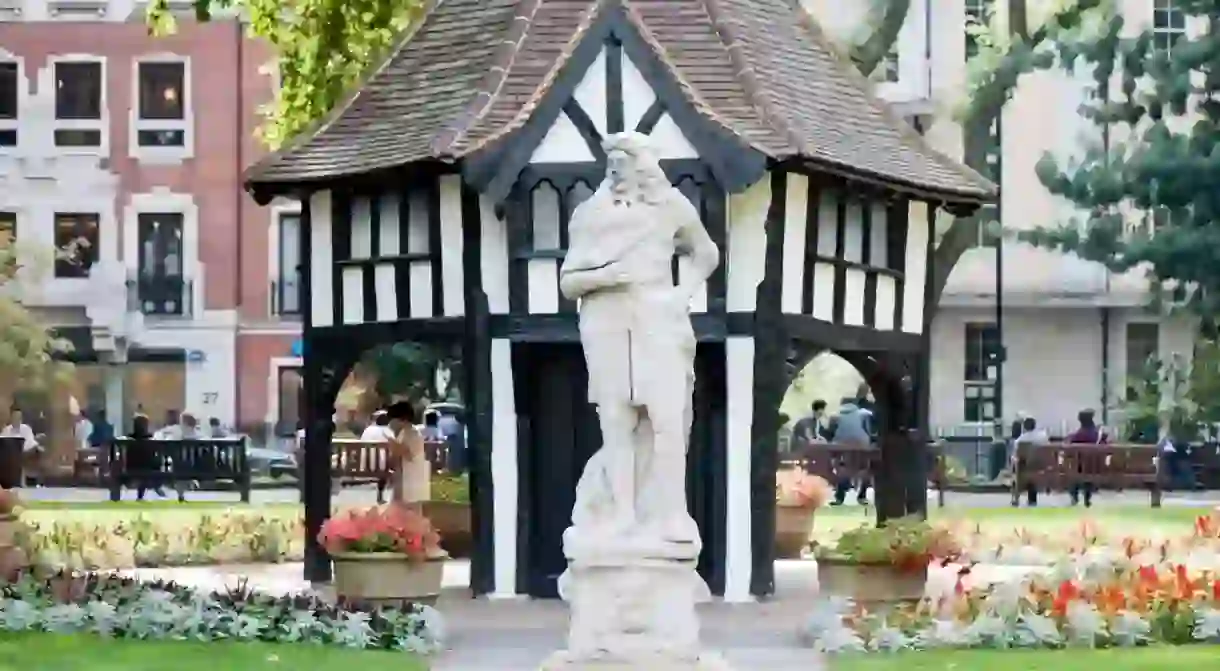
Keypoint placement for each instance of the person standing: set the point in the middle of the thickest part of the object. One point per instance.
(1088, 434)
(412, 478)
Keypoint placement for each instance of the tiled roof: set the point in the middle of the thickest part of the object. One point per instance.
(475, 70)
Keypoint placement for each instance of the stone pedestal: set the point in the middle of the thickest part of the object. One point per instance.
(633, 607)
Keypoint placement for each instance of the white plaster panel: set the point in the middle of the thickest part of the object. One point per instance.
(739, 371)
(638, 96)
(321, 266)
(493, 257)
(795, 219)
(853, 303)
(503, 467)
(591, 93)
(885, 299)
(916, 267)
(562, 144)
(543, 282)
(747, 237)
(452, 277)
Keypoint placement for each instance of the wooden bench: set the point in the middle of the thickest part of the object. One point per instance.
(89, 466)
(358, 462)
(177, 462)
(12, 462)
(1060, 467)
(834, 462)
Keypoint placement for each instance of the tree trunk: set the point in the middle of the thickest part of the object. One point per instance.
(871, 52)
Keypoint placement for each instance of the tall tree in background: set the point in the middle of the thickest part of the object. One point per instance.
(1150, 202)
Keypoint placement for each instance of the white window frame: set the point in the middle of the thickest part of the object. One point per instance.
(158, 154)
(160, 201)
(1171, 9)
(22, 92)
(278, 211)
(102, 125)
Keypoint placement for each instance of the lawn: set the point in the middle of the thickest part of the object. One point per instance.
(53, 652)
(1189, 658)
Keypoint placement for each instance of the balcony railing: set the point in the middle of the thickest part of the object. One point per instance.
(161, 295)
(286, 297)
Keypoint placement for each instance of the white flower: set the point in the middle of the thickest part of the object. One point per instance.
(1085, 623)
(945, 633)
(1207, 624)
(1129, 629)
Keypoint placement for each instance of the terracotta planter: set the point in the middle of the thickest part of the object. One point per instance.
(452, 522)
(387, 578)
(793, 524)
(871, 584)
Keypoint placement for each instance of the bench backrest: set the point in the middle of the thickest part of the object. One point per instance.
(1113, 464)
(197, 458)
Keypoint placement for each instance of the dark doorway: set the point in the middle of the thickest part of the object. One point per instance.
(557, 433)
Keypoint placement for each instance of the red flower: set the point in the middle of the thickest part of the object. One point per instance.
(385, 529)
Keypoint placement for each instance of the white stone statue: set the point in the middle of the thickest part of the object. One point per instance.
(632, 547)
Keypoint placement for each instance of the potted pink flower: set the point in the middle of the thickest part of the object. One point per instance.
(797, 496)
(385, 555)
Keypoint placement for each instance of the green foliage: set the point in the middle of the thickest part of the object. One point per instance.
(26, 346)
(905, 542)
(451, 487)
(1182, 396)
(408, 369)
(322, 48)
(1148, 203)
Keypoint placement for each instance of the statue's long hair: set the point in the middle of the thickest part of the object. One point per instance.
(644, 180)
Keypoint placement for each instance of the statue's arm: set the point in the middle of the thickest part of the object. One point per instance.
(702, 252)
(576, 283)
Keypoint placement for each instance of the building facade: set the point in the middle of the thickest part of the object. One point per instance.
(127, 151)
(1073, 331)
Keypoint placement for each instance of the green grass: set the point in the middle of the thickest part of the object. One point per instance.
(54, 652)
(1187, 658)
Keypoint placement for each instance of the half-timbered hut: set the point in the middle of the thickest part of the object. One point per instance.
(435, 204)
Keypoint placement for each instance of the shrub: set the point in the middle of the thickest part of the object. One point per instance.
(908, 543)
(124, 608)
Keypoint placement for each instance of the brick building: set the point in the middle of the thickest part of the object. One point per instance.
(132, 147)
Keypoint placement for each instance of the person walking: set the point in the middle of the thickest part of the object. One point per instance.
(1088, 434)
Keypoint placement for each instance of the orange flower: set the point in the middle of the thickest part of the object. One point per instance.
(1216, 590)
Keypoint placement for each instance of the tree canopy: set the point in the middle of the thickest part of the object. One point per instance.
(1146, 196)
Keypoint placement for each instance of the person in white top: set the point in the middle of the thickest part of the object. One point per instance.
(379, 431)
(17, 428)
(1031, 437)
(412, 473)
(84, 429)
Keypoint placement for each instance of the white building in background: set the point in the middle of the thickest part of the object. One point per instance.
(1072, 329)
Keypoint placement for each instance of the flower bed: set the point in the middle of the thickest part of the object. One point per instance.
(124, 608)
(1085, 603)
(147, 541)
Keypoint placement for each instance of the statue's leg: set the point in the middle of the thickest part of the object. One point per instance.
(671, 421)
(618, 422)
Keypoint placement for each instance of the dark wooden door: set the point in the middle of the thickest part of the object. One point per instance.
(557, 433)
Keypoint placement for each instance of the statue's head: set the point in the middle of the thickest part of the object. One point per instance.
(633, 170)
